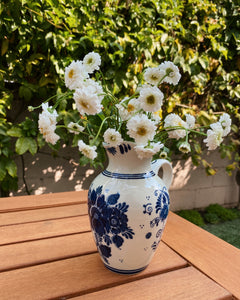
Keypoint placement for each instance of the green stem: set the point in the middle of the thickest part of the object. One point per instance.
(31, 108)
(100, 128)
(66, 127)
(60, 99)
(187, 130)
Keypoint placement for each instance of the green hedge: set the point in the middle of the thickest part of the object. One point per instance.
(40, 38)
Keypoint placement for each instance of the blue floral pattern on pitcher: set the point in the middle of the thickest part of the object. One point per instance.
(161, 212)
(109, 221)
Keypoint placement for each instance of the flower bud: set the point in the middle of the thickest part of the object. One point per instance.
(185, 147)
(163, 155)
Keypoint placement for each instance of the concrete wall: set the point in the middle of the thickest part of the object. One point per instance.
(191, 187)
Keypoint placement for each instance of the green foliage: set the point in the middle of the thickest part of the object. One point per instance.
(40, 38)
(211, 218)
(220, 212)
(193, 216)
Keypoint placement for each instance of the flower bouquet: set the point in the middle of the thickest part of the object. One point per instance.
(127, 196)
(97, 116)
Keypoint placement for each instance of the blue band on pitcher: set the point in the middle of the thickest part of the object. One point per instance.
(125, 271)
(128, 176)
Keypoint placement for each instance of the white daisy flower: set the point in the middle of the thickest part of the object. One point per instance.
(44, 122)
(153, 75)
(112, 137)
(171, 72)
(75, 74)
(50, 113)
(87, 102)
(156, 118)
(185, 147)
(226, 123)
(50, 136)
(190, 121)
(91, 62)
(173, 120)
(141, 129)
(93, 86)
(147, 151)
(47, 123)
(126, 110)
(75, 128)
(88, 151)
(214, 136)
(150, 98)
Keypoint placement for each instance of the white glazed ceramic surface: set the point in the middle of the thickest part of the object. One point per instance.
(128, 207)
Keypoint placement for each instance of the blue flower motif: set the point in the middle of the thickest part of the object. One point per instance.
(147, 208)
(108, 220)
(163, 199)
(124, 148)
(148, 235)
(161, 208)
(105, 251)
(112, 150)
(164, 212)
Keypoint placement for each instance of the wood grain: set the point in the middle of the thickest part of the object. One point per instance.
(213, 256)
(183, 284)
(46, 250)
(77, 276)
(44, 229)
(21, 217)
(42, 201)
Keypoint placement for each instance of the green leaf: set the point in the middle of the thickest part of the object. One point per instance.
(2, 170)
(11, 168)
(15, 132)
(32, 146)
(210, 171)
(4, 48)
(25, 144)
(21, 145)
(25, 93)
(204, 62)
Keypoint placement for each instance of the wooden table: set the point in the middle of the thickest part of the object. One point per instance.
(47, 252)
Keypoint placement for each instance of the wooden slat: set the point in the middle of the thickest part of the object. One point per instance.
(213, 256)
(76, 276)
(187, 283)
(41, 201)
(21, 217)
(45, 250)
(44, 229)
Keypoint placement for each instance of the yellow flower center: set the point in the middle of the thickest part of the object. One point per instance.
(141, 131)
(169, 72)
(84, 104)
(130, 108)
(154, 77)
(113, 138)
(90, 60)
(71, 73)
(150, 99)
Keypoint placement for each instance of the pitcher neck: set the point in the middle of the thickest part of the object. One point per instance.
(124, 159)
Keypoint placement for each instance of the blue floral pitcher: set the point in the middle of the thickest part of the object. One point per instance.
(128, 205)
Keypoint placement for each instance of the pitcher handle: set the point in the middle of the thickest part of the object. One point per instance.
(167, 170)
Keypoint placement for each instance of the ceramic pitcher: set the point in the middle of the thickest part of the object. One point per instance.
(128, 205)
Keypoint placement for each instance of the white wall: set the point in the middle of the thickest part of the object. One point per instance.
(191, 187)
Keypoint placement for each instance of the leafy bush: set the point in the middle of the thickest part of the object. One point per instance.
(236, 211)
(222, 213)
(40, 38)
(211, 218)
(193, 216)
